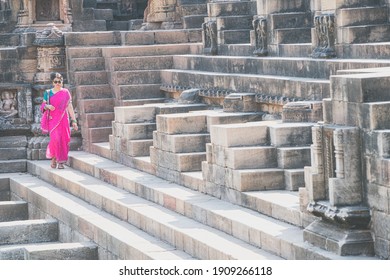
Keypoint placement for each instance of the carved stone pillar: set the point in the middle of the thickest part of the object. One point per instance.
(337, 199)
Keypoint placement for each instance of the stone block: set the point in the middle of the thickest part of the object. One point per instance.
(181, 123)
(135, 114)
(62, 251)
(183, 162)
(305, 111)
(28, 231)
(255, 179)
(134, 131)
(181, 143)
(294, 179)
(13, 211)
(248, 157)
(137, 38)
(290, 134)
(138, 148)
(376, 115)
(294, 157)
(247, 134)
(240, 102)
(360, 88)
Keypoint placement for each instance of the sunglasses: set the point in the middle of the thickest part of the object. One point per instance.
(57, 82)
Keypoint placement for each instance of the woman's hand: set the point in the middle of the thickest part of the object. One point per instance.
(75, 126)
(50, 107)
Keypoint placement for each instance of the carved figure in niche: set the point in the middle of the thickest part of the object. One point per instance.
(8, 106)
(260, 28)
(325, 29)
(210, 37)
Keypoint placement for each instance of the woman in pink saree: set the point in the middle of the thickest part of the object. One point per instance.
(57, 107)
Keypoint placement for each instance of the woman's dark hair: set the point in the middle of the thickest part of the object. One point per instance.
(56, 75)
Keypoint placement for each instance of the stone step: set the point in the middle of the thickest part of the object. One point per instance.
(290, 134)
(94, 120)
(84, 52)
(316, 89)
(15, 165)
(177, 162)
(99, 134)
(279, 66)
(193, 21)
(379, 50)
(170, 226)
(103, 14)
(91, 78)
(217, 9)
(244, 180)
(4, 188)
(139, 148)
(364, 34)
(292, 35)
(135, 77)
(181, 143)
(234, 22)
(17, 251)
(283, 6)
(293, 157)
(289, 20)
(133, 131)
(87, 64)
(246, 224)
(243, 157)
(13, 142)
(294, 179)
(62, 251)
(13, 211)
(143, 91)
(362, 16)
(241, 134)
(302, 50)
(95, 38)
(139, 63)
(148, 112)
(94, 91)
(10, 39)
(137, 102)
(193, 9)
(96, 105)
(13, 153)
(28, 231)
(117, 238)
(146, 50)
(356, 3)
(237, 36)
(182, 123)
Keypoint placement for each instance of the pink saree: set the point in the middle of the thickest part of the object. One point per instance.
(56, 123)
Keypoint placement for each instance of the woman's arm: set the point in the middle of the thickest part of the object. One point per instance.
(72, 116)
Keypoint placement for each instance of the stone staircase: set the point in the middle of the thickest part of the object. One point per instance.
(24, 238)
(13, 154)
(105, 75)
(130, 214)
(363, 23)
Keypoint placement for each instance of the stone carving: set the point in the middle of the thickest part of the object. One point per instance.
(51, 52)
(8, 104)
(260, 28)
(325, 36)
(210, 45)
(4, 5)
(161, 14)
